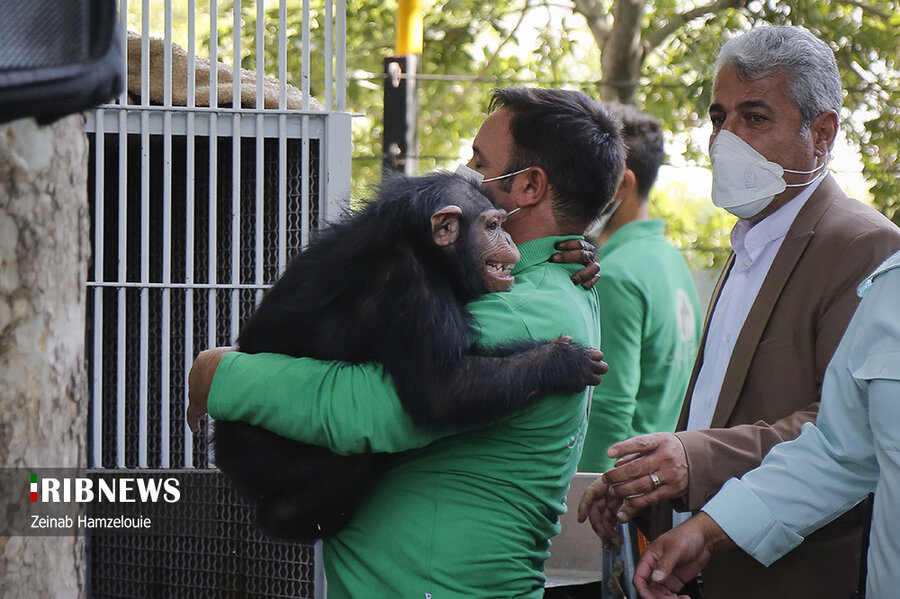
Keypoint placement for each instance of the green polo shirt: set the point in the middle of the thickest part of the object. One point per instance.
(464, 515)
(651, 331)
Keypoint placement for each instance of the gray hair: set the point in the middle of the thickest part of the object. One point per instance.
(814, 83)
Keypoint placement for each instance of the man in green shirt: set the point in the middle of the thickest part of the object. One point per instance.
(649, 309)
(467, 514)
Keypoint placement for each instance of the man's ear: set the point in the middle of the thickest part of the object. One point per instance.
(627, 185)
(445, 225)
(532, 187)
(824, 130)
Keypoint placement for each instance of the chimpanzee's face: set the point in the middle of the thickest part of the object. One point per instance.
(491, 245)
(495, 249)
(470, 228)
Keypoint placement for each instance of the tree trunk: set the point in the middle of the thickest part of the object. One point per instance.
(622, 54)
(43, 263)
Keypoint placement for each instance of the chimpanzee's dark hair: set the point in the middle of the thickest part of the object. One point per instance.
(573, 139)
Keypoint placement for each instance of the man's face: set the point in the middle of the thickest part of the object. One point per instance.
(760, 113)
(491, 151)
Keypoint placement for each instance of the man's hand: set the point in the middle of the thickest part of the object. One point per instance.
(576, 251)
(601, 507)
(676, 557)
(652, 468)
(199, 381)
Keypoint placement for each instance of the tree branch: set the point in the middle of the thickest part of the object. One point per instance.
(881, 14)
(469, 88)
(679, 20)
(598, 20)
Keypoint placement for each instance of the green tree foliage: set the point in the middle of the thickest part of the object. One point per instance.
(669, 75)
(656, 54)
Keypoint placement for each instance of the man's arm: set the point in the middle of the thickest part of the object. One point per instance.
(677, 557)
(715, 455)
(347, 408)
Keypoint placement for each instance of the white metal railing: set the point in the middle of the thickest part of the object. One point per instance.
(174, 272)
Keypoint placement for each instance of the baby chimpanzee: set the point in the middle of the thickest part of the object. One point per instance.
(390, 285)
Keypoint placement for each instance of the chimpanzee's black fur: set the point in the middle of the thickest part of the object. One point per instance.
(377, 288)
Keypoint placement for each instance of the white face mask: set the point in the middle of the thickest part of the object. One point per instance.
(603, 220)
(477, 178)
(744, 182)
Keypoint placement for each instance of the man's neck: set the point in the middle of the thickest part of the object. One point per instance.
(535, 222)
(639, 211)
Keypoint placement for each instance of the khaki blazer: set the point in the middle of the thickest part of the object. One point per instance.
(772, 387)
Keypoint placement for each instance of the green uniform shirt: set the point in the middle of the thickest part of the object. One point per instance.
(651, 330)
(466, 515)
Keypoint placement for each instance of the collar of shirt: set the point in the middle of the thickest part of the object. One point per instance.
(539, 250)
(889, 264)
(636, 229)
(749, 240)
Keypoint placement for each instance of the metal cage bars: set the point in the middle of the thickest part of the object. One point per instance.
(192, 267)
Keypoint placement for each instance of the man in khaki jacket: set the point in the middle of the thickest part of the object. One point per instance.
(784, 299)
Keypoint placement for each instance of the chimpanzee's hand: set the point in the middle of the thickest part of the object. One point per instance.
(199, 382)
(577, 251)
(586, 363)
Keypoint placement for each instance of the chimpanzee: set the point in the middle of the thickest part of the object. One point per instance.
(390, 285)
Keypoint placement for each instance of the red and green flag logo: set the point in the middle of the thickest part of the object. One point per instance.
(34, 488)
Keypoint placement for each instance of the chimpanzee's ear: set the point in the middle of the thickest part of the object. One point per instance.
(445, 225)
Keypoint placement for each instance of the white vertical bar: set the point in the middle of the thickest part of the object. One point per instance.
(282, 137)
(212, 301)
(165, 342)
(189, 230)
(259, 257)
(143, 358)
(304, 144)
(304, 183)
(120, 295)
(236, 57)
(99, 211)
(236, 174)
(121, 256)
(213, 172)
(329, 55)
(305, 54)
(282, 193)
(123, 39)
(335, 198)
(282, 54)
(145, 291)
(341, 63)
(260, 53)
(319, 581)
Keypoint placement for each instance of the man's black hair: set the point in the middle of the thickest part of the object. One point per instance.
(645, 149)
(573, 139)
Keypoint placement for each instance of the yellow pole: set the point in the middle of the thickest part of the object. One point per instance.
(410, 28)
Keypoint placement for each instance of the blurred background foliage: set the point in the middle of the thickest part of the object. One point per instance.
(656, 54)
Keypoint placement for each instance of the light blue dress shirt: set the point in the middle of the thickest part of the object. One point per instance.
(853, 449)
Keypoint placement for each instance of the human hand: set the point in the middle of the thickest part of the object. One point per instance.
(652, 468)
(601, 507)
(676, 557)
(199, 382)
(577, 251)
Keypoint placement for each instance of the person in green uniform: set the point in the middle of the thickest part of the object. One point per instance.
(649, 309)
(465, 514)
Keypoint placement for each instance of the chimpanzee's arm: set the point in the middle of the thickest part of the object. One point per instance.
(488, 387)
